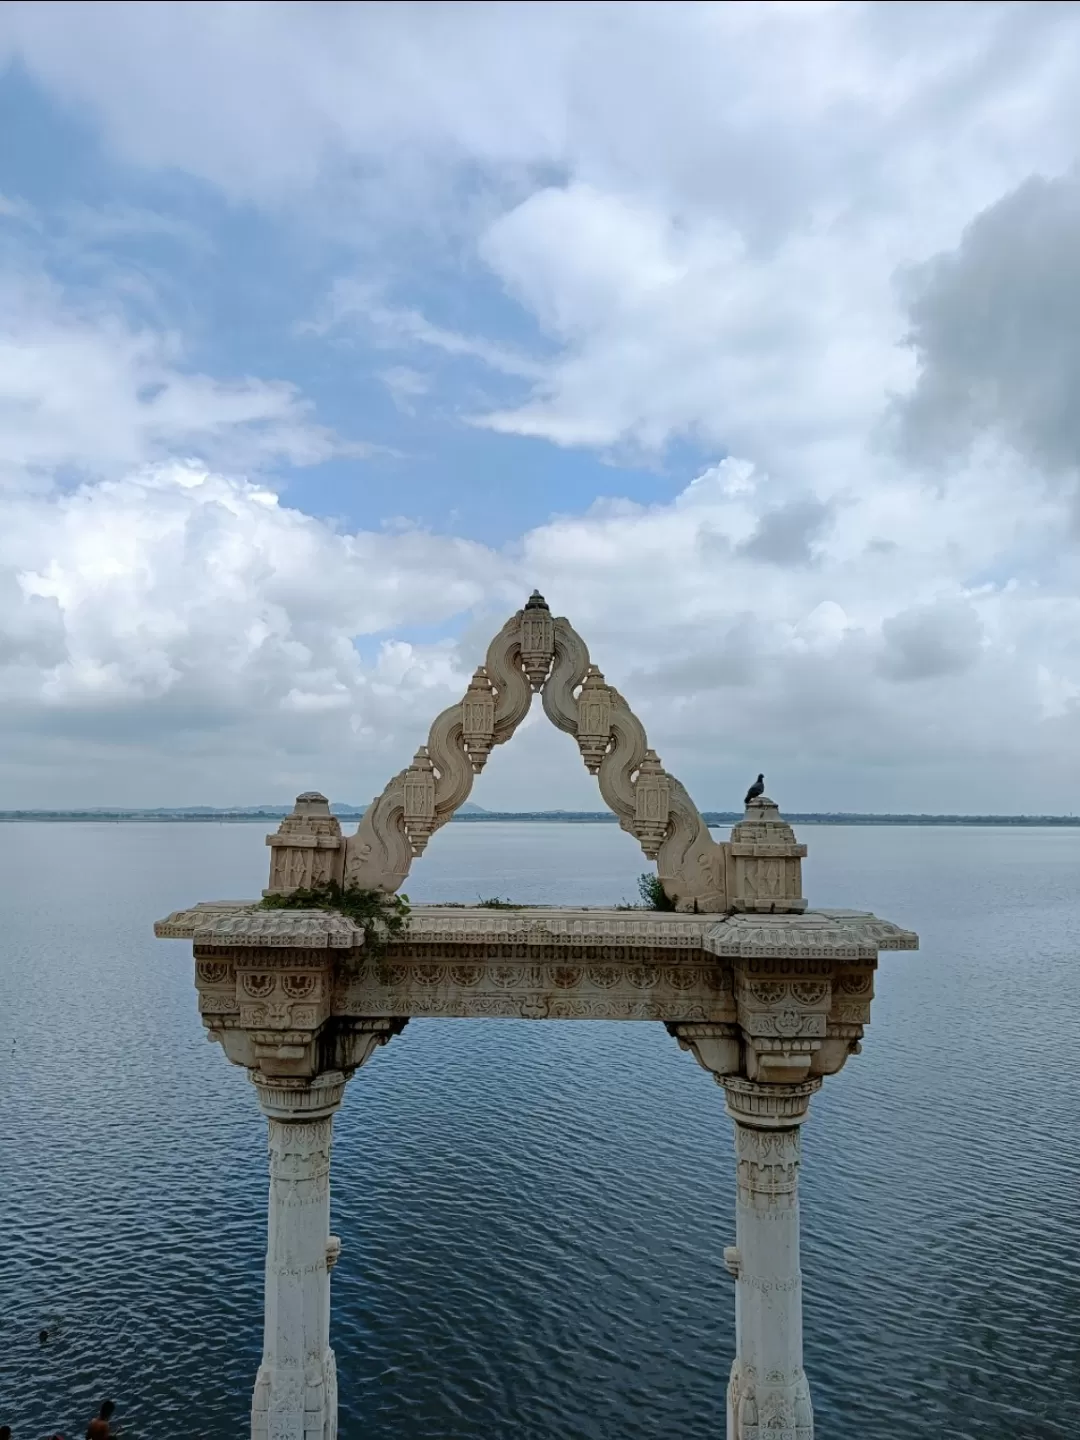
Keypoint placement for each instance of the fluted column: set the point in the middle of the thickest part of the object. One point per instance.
(296, 1388)
(768, 1394)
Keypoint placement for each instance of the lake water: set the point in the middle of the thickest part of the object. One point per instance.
(533, 1215)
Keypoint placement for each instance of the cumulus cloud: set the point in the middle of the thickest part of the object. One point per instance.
(179, 635)
(927, 642)
(787, 535)
(685, 224)
(699, 206)
(741, 658)
(189, 613)
(995, 325)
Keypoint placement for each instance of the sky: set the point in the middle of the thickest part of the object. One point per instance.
(749, 334)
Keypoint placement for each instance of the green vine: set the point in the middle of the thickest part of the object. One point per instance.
(382, 917)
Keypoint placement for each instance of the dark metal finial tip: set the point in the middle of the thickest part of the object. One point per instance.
(536, 601)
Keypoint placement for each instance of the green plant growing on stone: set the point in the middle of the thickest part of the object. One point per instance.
(382, 917)
(653, 895)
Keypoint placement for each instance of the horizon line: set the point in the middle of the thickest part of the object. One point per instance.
(345, 810)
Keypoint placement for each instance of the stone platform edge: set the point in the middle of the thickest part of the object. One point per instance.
(843, 934)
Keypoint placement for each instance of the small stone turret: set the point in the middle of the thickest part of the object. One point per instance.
(765, 862)
(537, 639)
(307, 848)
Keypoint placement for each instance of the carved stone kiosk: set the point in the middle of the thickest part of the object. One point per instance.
(768, 996)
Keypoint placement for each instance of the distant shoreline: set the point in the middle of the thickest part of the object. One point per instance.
(271, 816)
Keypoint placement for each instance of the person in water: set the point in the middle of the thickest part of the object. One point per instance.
(99, 1428)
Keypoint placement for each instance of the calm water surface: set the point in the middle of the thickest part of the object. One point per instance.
(533, 1214)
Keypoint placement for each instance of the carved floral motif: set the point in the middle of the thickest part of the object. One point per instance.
(257, 985)
(300, 987)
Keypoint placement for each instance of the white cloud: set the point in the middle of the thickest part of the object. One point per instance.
(928, 642)
(405, 386)
(196, 640)
(696, 215)
(701, 205)
(83, 388)
(995, 325)
(889, 672)
(397, 326)
(190, 620)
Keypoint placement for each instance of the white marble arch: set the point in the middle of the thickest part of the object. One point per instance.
(768, 996)
(536, 652)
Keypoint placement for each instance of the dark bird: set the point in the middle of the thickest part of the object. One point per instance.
(756, 789)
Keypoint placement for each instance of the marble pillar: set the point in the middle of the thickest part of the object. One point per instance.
(296, 1388)
(767, 1394)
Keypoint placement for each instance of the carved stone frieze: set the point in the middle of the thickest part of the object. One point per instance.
(783, 1022)
(497, 985)
(433, 924)
(767, 1164)
(795, 990)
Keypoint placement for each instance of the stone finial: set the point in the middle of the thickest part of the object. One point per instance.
(420, 800)
(306, 850)
(311, 802)
(478, 719)
(537, 639)
(652, 804)
(767, 861)
(594, 718)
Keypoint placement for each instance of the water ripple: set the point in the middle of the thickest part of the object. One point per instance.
(533, 1216)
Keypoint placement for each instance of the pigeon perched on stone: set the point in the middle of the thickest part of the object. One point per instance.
(756, 789)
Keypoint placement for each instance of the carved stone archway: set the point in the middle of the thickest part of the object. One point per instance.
(535, 652)
(769, 997)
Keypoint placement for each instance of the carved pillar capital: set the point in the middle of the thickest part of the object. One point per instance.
(768, 1107)
(716, 1045)
(282, 1098)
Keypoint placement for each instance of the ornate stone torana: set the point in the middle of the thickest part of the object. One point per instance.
(534, 652)
(769, 997)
